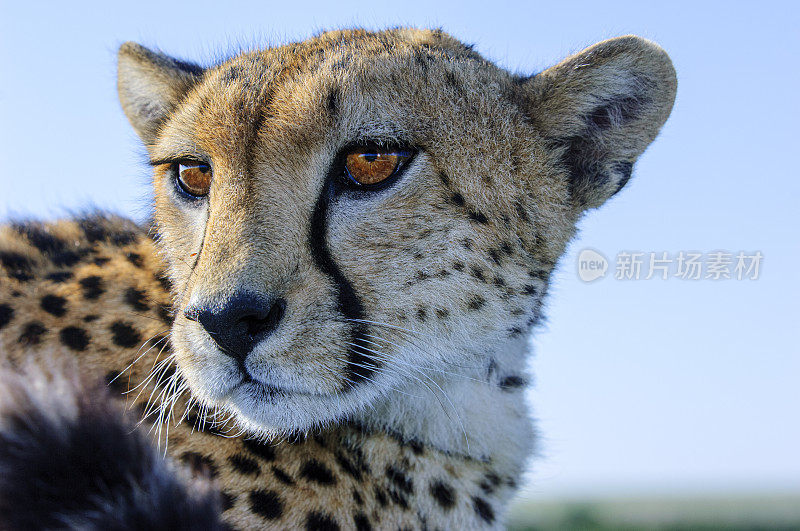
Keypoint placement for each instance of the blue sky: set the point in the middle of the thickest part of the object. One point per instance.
(657, 386)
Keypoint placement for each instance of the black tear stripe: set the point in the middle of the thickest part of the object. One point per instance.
(359, 366)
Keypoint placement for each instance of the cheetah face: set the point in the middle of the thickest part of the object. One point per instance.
(345, 218)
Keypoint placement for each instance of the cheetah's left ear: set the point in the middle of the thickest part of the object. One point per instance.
(603, 107)
(150, 85)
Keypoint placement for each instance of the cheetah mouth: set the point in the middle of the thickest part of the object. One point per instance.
(258, 390)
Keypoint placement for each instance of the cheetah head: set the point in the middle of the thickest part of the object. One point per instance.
(349, 218)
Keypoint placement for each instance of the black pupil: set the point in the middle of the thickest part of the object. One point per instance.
(370, 157)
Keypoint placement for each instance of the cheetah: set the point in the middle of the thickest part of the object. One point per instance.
(328, 317)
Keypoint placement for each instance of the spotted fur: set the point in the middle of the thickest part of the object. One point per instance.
(389, 395)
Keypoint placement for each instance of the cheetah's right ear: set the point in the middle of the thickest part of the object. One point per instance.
(150, 85)
(601, 108)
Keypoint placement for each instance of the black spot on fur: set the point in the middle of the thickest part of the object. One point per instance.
(266, 503)
(136, 299)
(495, 255)
(68, 258)
(124, 334)
(16, 265)
(226, 500)
(380, 497)
(357, 498)
(530, 289)
(483, 509)
(512, 382)
(521, 212)
(165, 313)
(244, 465)
(261, 449)
(333, 101)
(399, 479)
(321, 522)
(59, 276)
(91, 318)
(458, 266)
(444, 178)
(421, 314)
(101, 261)
(75, 338)
(444, 495)
(479, 217)
(97, 229)
(362, 522)
(31, 333)
(199, 464)
(442, 313)
(315, 471)
(54, 305)
(53, 248)
(477, 272)
(92, 287)
(282, 476)
(134, 258)
(476, 302)
(492, 479)
(40, 238)
(165, 282)
(6, 314)
(416, 447)
(348, 466)
(458, 199)
(93, 230)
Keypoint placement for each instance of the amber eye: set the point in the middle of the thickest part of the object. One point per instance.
(194, 178)
(367, 166)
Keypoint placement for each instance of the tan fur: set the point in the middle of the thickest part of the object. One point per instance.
(453, 260)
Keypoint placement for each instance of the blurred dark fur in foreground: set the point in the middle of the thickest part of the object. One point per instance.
(71, 458)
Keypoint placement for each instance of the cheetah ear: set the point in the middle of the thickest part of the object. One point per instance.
(602, 107)
(150, 85)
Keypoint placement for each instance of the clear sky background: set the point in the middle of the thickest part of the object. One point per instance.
(641, 386)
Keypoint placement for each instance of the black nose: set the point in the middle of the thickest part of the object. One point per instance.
(240, 323)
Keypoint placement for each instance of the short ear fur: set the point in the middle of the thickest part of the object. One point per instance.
(150, 85)
(603, 107)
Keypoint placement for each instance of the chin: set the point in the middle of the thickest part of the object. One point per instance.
(265, 412)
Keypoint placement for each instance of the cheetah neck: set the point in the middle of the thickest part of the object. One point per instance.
(482, 415)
